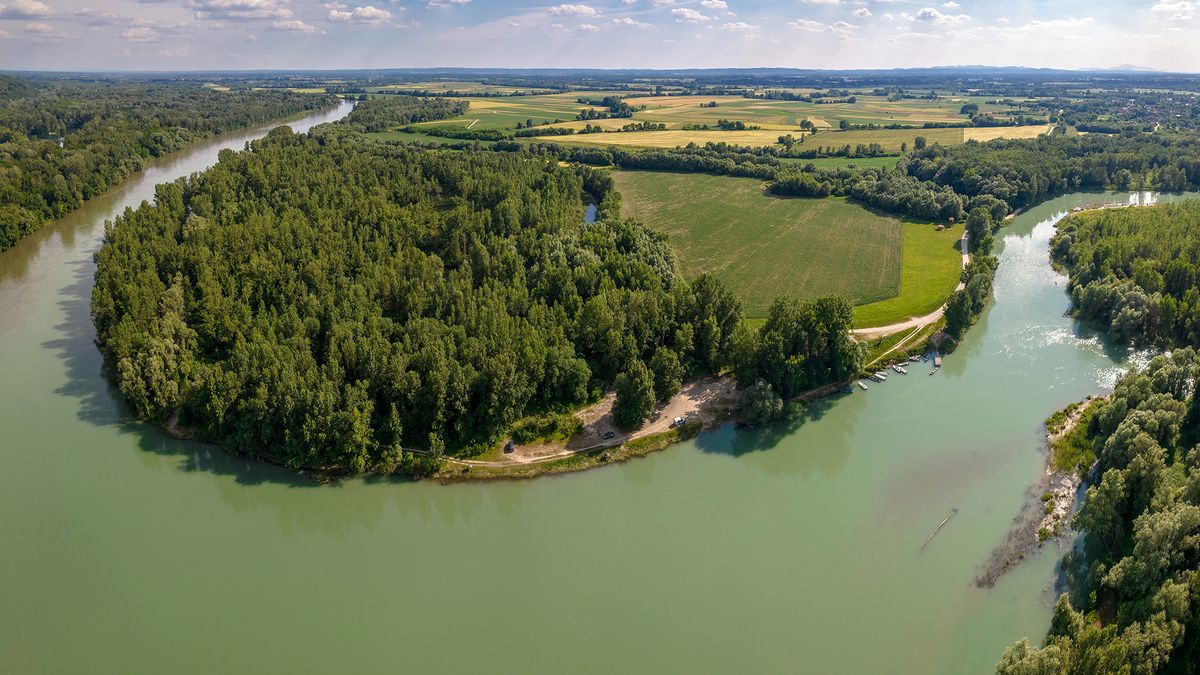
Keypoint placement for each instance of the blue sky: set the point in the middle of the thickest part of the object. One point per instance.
(240, 34)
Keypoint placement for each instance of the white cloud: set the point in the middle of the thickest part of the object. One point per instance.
(95, 17)
(143, 34)
(689, 15)
(588, 27)
(25, 9)
(738, 25)
(367, 14)
(44, 31)
(861, 12)
(714, 4)
(838, 27)
(294, 26)
(1182, 10)
(950, 4)
(238, 10)
(934, 17)
(662, 3)
(823, 2)
(630, 21)
(574, 10)
(1003, 21)
(440, 4)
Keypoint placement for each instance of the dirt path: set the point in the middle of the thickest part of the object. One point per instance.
(706, 400)
(917, 322)
(472, 123)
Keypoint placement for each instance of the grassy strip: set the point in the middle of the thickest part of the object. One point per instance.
(1073, 450)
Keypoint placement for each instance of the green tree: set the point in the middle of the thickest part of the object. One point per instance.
(668, 373)
(635, 396)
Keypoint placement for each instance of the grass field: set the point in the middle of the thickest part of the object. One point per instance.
(763, 247)
(932, 265)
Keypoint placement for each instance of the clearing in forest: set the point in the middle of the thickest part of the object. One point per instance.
(763, 247)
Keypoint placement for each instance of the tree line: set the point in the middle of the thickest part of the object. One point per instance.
(1134, 600)
(62, 143)
(1133, 271)
(383, 114)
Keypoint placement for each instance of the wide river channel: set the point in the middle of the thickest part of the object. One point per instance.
(792, 548)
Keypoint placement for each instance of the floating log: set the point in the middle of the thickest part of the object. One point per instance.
(938, 529)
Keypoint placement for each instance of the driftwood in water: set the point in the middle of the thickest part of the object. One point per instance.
(938, 529)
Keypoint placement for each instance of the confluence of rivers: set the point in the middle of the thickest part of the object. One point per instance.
(791, 547)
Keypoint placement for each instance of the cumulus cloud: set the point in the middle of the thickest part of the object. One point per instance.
(933, 17)
(950, 4)
(142, 34)
(823, 2)
(861, 12)
(838, 27)
(366, 14)
(630, 21)
(238, 10)
(714, 4)
(588, 27)
(25, 9)
(442, 4)
(1182, 10)
(293, 26)
(574, 10)
(689, 15)
(44, 31)
(737, 25)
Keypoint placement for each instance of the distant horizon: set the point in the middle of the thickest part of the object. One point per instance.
(963, 68)
(826, 35)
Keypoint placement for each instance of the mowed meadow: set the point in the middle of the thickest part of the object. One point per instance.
(763, 246)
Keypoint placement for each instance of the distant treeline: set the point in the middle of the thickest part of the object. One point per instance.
(65, 142)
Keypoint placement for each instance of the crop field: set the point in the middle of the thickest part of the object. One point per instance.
(458, 86)
(763, 247)
(505, 112)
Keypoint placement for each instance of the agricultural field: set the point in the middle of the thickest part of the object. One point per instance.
(505, 112)
(932, 265)
(763, 246)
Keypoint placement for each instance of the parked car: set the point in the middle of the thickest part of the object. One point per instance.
(608, 435)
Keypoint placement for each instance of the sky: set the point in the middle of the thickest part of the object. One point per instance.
(828, 34)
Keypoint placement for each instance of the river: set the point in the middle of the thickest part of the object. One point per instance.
(792, 547)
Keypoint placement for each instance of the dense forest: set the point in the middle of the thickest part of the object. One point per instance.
(1022, 173)
(63, 143)
(326, 302)
(1133, 271)
(1137, 583)
(381, 114)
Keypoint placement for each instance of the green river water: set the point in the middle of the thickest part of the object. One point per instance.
(784, 549)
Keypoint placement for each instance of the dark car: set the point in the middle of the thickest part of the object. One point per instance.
(608, 435)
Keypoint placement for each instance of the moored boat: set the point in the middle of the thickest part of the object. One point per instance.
(862, 385)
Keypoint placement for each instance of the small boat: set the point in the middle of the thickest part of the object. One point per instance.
(899, 369)
(862, 385)
(882, 374)
(914, 359)
(937, 360)
(935, 369)
(876, 377)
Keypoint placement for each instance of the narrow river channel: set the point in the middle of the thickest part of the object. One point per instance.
(789, 548)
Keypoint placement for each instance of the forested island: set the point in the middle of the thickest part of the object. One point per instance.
(1133, 271)
(63, 142)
